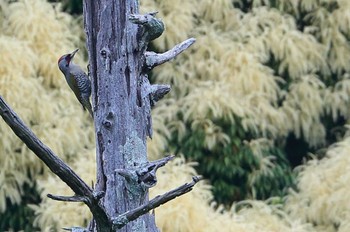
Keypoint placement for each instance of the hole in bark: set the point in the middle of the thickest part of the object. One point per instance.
(110, 115)
(104, 54)
(107, 124)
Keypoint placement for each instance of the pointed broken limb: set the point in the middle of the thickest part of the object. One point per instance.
(155, 92)
(158, 92)
(65, 198)
(147, 172)
(131, 215)
(152, 27)
(96, 195)
(56, 165)
(154, 59)
(144, 174)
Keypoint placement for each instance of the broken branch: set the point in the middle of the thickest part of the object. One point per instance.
(123, 219)
(153, 27)
(65, 198)
(56, 165)
(154, 59)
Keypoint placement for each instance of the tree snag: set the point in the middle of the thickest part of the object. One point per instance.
(122, 96)
(117, 39)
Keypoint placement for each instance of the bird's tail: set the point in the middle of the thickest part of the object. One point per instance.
(87, 105)
(89, 108)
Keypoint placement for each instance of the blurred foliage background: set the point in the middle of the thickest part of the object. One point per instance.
(259, 106)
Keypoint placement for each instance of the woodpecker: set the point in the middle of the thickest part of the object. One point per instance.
(77, 79)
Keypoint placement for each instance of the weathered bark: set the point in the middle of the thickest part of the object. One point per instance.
(122, 119)
(122, 96)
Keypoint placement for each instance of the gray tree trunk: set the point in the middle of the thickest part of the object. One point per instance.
(117, 38)
(122, 119)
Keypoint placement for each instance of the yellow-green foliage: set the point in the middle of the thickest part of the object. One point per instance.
(222, 76)
(225, 75)
(53, 215)
(31, 41)
(323, 191)
(193, 212)
(229, 62)
(229, 57)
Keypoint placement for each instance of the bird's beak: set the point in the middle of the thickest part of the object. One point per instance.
(73, 53)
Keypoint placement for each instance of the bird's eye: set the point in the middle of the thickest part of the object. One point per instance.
(67, 58)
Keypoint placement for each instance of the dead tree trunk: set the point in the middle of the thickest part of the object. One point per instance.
(122, 119)
(117, 39)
